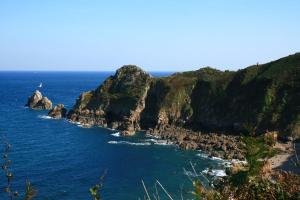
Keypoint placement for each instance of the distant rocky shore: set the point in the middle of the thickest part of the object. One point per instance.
(215, 145)
(39, 102)
(252, 101)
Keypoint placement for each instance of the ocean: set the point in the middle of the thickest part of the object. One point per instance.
(63, 160)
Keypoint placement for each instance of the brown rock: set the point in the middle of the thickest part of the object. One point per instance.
(38, 102)
(59, 111)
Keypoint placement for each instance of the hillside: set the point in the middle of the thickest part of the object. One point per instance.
(254, 99)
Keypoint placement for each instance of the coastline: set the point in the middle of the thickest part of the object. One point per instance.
(218, 145)
(224, 146)
(208, 145)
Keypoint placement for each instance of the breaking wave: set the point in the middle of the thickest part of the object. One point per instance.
(204, 155)
(159, 142)
(44, 117)
(129, 143)
(215, 172)
(117, 134)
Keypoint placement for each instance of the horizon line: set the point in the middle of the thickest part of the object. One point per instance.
(217, 68)
(105, 71)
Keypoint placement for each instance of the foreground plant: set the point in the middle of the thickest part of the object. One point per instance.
(156, 195)
(94, 191)
(257, 181)
(30, 192)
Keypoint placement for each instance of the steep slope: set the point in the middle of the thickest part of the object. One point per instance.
(254, 99)
(117, 103)
(257, 98)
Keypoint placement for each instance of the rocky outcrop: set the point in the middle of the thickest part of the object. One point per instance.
(251, 101)
(216, 145)
(59, 111)
(117, 103)
(38, 102)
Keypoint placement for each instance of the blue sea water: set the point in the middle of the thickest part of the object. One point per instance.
(63, 160)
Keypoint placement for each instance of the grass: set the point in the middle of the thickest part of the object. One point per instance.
(251, 183)
(256, 152)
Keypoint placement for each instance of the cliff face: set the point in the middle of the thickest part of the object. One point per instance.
(117, 103)
(254, 99)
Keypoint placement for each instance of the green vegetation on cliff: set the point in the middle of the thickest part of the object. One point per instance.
(259, 97)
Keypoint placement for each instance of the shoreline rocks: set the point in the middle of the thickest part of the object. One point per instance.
(117, 103)
(206, 99)
(59, 111)
(216, 145)
(38, 102)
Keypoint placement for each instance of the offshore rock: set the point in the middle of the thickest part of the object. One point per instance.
(38, 102)
(59, 111)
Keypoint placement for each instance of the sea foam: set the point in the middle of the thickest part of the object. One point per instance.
(159, 142)
(204, 155)
(117, 134)
(129, 143)
(44, 117)
(215, 172)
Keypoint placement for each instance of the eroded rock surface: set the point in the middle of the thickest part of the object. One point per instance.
(38, 102)
(249, 101)
(215, 144)
(117, 103)
(59, 111)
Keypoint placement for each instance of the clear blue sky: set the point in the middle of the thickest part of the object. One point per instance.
(157, 35)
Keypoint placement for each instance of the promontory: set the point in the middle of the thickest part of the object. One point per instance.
(256, 99)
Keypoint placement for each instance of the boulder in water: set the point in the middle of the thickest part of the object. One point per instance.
(38, 102)
(59, 111)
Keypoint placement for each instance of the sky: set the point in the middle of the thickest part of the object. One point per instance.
(157, 35)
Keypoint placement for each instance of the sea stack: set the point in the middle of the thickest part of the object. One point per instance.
(38, 102)
(59, 111)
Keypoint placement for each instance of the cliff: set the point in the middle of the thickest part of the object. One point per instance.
(253, 100)
(117, 103)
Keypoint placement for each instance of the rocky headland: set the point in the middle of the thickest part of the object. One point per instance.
(117, 103)
(206, 109)
(38, 102)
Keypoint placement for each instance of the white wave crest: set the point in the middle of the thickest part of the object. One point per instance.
(81, 125)
(159, 142)
(236, 161)
(150, 140)
(204, 155)
(215, 172)
(163, 142)
(129, 143)
(224, 162)
(74, 122)
(117, 134)
(152, 136)
(44, 117)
